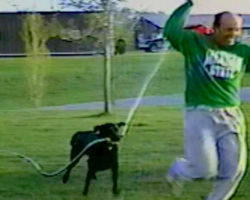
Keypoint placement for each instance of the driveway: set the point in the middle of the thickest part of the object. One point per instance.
(168, 100)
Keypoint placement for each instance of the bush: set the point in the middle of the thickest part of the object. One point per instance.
(120, 47)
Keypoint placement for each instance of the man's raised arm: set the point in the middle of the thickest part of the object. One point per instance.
(173, 30)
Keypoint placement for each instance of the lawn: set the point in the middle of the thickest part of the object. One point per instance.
(153, 142)
(78, 80)
(73, 80)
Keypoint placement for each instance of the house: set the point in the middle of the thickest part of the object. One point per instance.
(68, 41)
(150, 26)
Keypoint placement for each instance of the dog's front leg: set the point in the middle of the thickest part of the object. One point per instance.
(115, 178)
(74, 153)
(87, 182)
(114, 169)
(67, 174)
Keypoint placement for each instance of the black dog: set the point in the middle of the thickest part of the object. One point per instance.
(102, 155)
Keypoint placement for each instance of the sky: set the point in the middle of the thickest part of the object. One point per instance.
(166, 6)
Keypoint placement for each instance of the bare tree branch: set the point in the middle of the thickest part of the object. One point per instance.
(89, 5)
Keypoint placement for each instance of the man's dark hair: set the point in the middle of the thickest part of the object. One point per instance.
(217, 18)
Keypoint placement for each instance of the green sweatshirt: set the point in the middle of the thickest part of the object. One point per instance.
(213, 74)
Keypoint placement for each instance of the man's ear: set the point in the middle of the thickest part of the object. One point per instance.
(121, 124)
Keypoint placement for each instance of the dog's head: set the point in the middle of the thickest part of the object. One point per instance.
(110, 130)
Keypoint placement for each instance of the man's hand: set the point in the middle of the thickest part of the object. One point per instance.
(195, 2)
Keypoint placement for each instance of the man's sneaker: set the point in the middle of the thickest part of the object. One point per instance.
(175, 185)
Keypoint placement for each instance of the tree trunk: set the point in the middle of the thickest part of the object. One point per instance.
(107, 80)
(109, 50)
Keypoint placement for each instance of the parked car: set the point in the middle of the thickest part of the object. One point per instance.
(154, 45)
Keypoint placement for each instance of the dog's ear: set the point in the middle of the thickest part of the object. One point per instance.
(121, 124)
(97, 128)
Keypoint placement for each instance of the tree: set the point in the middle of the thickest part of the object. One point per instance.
(34, 37)
(35, 33)
(105, 22)
(125, 23)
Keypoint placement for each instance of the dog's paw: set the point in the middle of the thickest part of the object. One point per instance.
(65, 178)
(85, 193)
(116, 192)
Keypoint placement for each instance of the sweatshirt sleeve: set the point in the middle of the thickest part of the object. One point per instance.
(248, 66)
(173, 29)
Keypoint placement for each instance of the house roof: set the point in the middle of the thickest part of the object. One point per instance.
(47, 12)
(159, 19)
(246, 20)
(206, 20)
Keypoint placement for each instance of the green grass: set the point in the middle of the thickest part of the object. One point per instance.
(73, 80)
(153, 142)
(78, 80)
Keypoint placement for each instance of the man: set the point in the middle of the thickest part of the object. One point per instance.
(214, 125)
